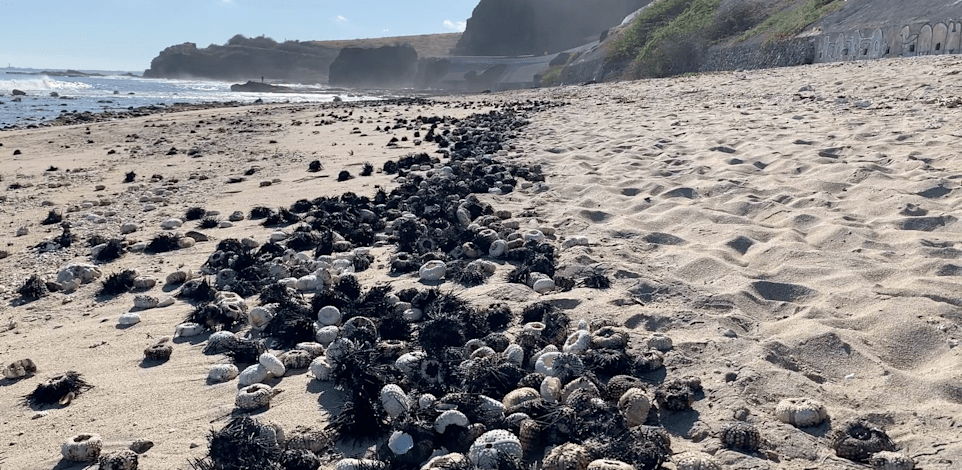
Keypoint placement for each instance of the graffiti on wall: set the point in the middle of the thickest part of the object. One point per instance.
(906, 41)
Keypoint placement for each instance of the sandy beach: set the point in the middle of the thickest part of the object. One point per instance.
(794, 231)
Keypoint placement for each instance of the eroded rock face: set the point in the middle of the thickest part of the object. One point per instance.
(537, 27)
(387, 66)
(243, 60)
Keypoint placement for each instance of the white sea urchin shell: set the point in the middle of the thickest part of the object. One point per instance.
(188, 329)
(82, 448)
(485, 450)
(394, 401)
(254, 396)
(329, 315)
(634, 405)
(321, 369)
(551, 389)
(577, 342)
(450, 418)
(432, 271)
(400, 442)
(273, 365)
(800, 412)
(222, 373)
(252, 375)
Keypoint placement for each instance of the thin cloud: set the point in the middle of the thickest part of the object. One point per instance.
(456, 26)
(340, 18)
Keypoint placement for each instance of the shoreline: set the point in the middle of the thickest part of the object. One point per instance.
(793, 232)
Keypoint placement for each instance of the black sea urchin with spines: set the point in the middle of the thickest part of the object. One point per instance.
(195, 213)
(244, 444)
(33, 288)
(208, 223)
(59, 389)
(118, 283)
(260, 212)
(112, 250)
(162, 243)
(53, 217)
(197, 290)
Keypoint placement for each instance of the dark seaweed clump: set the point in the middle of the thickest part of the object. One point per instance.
(260, 212)
(118, 283)
(197, 290)
(55, 390)
(129, 177)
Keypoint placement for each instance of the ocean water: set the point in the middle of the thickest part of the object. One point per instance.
(97, 94)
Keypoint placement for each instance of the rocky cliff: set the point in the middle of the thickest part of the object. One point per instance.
(380, 67)
(539, 27)
(244, 58)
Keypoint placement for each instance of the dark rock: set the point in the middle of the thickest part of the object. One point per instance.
(259, 87)
(17, 92)
(388, 66)
(529, 27)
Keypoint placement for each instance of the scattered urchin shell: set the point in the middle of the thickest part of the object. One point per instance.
(121, 460)
(515, 354)
(321, 369)
(609, 464)
(432, 271)
(158, 352)
(82, 448)
(887, 460)
(568, 456)
(144, 302)
(446, 462)
(695, 461)
(222, 373)
(485, 450)
(19, 369)
(400, 442)
(410, 363)
(518, 396)
(660, 342)
(427, 401)
(219, 339)
(394, 401)
(329, 315)
(545, 363)
(179, 277)
(188, 329)
(801, 412)
(551, 389)
(581, 383)
(535, 327)
(254, 396)
(296, 359)
(259, 317)
(273, 364)
(252, 375)
(564, 366)
(741, 435)
(359, 464)
(326, 334)
(144, 282)
(858, 440)
(129, 319)
(634, 405)
(609, 337)
(577, 342)
(312, 348)
(529, 434)
(450, 418)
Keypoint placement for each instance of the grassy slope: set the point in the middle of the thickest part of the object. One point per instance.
(657, 39)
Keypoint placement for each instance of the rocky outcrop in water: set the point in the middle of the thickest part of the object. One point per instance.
(538, 27)
(381, 67)
(243, 59)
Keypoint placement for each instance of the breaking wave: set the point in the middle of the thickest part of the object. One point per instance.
(41, 83)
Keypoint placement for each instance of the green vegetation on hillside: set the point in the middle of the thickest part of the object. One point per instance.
(787, 23)
(667, 37)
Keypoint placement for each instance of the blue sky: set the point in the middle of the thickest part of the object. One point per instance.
(127, 34)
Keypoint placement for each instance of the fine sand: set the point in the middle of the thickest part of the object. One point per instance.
(795, 232)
